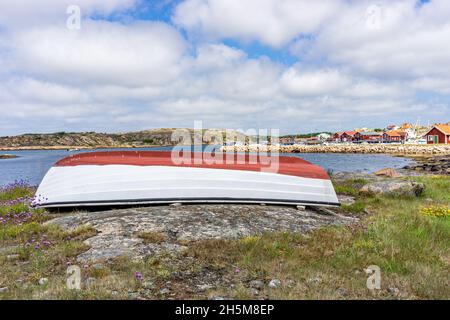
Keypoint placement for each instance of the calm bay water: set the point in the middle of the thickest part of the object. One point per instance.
(31, 166)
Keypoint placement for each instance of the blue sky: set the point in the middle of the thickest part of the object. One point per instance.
(295, 65)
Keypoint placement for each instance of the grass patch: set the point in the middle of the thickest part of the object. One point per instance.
(356, 207)
(153, 237)
(410, 247)
(350, 187)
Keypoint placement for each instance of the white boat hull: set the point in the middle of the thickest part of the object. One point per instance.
(111, 185)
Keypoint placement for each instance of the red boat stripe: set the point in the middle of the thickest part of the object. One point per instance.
(293, 166)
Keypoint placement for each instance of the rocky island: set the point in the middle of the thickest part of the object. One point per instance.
(94, 140)
(8, 156)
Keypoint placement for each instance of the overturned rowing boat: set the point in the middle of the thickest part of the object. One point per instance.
(152, 177)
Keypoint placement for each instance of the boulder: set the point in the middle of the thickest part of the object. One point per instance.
(257, 284)
(394, 187)
(347, 200)
(388, 172)
(275, 283)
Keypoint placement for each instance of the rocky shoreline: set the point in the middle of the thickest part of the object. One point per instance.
(431, 165)
(394, 149)
(99, 147)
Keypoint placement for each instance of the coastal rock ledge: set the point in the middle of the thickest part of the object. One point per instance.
(147, 231)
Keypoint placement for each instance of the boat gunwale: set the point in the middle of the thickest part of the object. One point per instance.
(160, 201)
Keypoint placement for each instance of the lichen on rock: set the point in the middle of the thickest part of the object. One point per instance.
(119, 230)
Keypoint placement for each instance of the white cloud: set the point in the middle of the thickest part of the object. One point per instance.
(28, 13)
(375, 89)
(112, 76)
(102, 52)
(410, 41)
(298, 83)
(402, 39)
(437, 84)
(272, 22)
(34, 91)
(218, 56)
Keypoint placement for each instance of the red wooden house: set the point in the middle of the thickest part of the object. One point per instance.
(344, 136)
(393, 136)
(440, 133)
(369, 136)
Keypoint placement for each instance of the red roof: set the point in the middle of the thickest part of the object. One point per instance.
(444, 128)
(393, 134)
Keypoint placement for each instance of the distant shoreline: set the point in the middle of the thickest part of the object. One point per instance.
(390, 149)
(43, 148)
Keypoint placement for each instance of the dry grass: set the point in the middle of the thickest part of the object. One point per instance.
(153, 237)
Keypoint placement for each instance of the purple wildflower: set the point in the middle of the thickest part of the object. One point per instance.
(138, 276)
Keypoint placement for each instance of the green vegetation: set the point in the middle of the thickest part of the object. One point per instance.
(148, 141)
(350, 187)
(306, 135)
(410, 247)
(357, 207)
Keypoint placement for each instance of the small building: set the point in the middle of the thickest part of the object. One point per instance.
(313, 140)
(287, 141)
(395, 136)
(439, 133)
(345, 136)
(337, 136)
(300, 141)
(403, 135)
(370, 136)
(324, 136)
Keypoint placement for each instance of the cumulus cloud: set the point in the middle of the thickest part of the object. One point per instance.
(102, 52)
(35, 91)
(300, 83)
(272, 22)
(386, 38)
(113, 75)
(405, 40)
(440, 85)
(27, 13)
